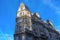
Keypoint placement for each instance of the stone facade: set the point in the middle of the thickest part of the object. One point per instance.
(32, 27)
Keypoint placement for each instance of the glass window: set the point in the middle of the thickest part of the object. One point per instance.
(20, 38)
(23, 37)
(27, 21)
(21, 28)
(29, 37)
(20, 20)
(28, 14)
(17, 38)
(22, 8)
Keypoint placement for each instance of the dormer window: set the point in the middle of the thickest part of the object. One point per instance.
(22, 8)
(29, 14)
(37, 15)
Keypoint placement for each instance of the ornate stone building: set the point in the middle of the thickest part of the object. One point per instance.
(31, 27)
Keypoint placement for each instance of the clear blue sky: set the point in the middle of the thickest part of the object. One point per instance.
(47, 9)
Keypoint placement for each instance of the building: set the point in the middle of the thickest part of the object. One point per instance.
(32, 27)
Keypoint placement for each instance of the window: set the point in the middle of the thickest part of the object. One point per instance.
(28, 28)
(20, 20)
(20, 14)
(17, 38)
(27, 21)
(21, 28)
(29, 37)
(22, 8)
(20, 38)
(23, 37)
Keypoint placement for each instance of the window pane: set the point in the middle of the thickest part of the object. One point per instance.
(29, 37)
(17, 38)
(20, 20)
(21, 28)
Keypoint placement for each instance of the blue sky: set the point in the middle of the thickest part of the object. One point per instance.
(47, 9)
